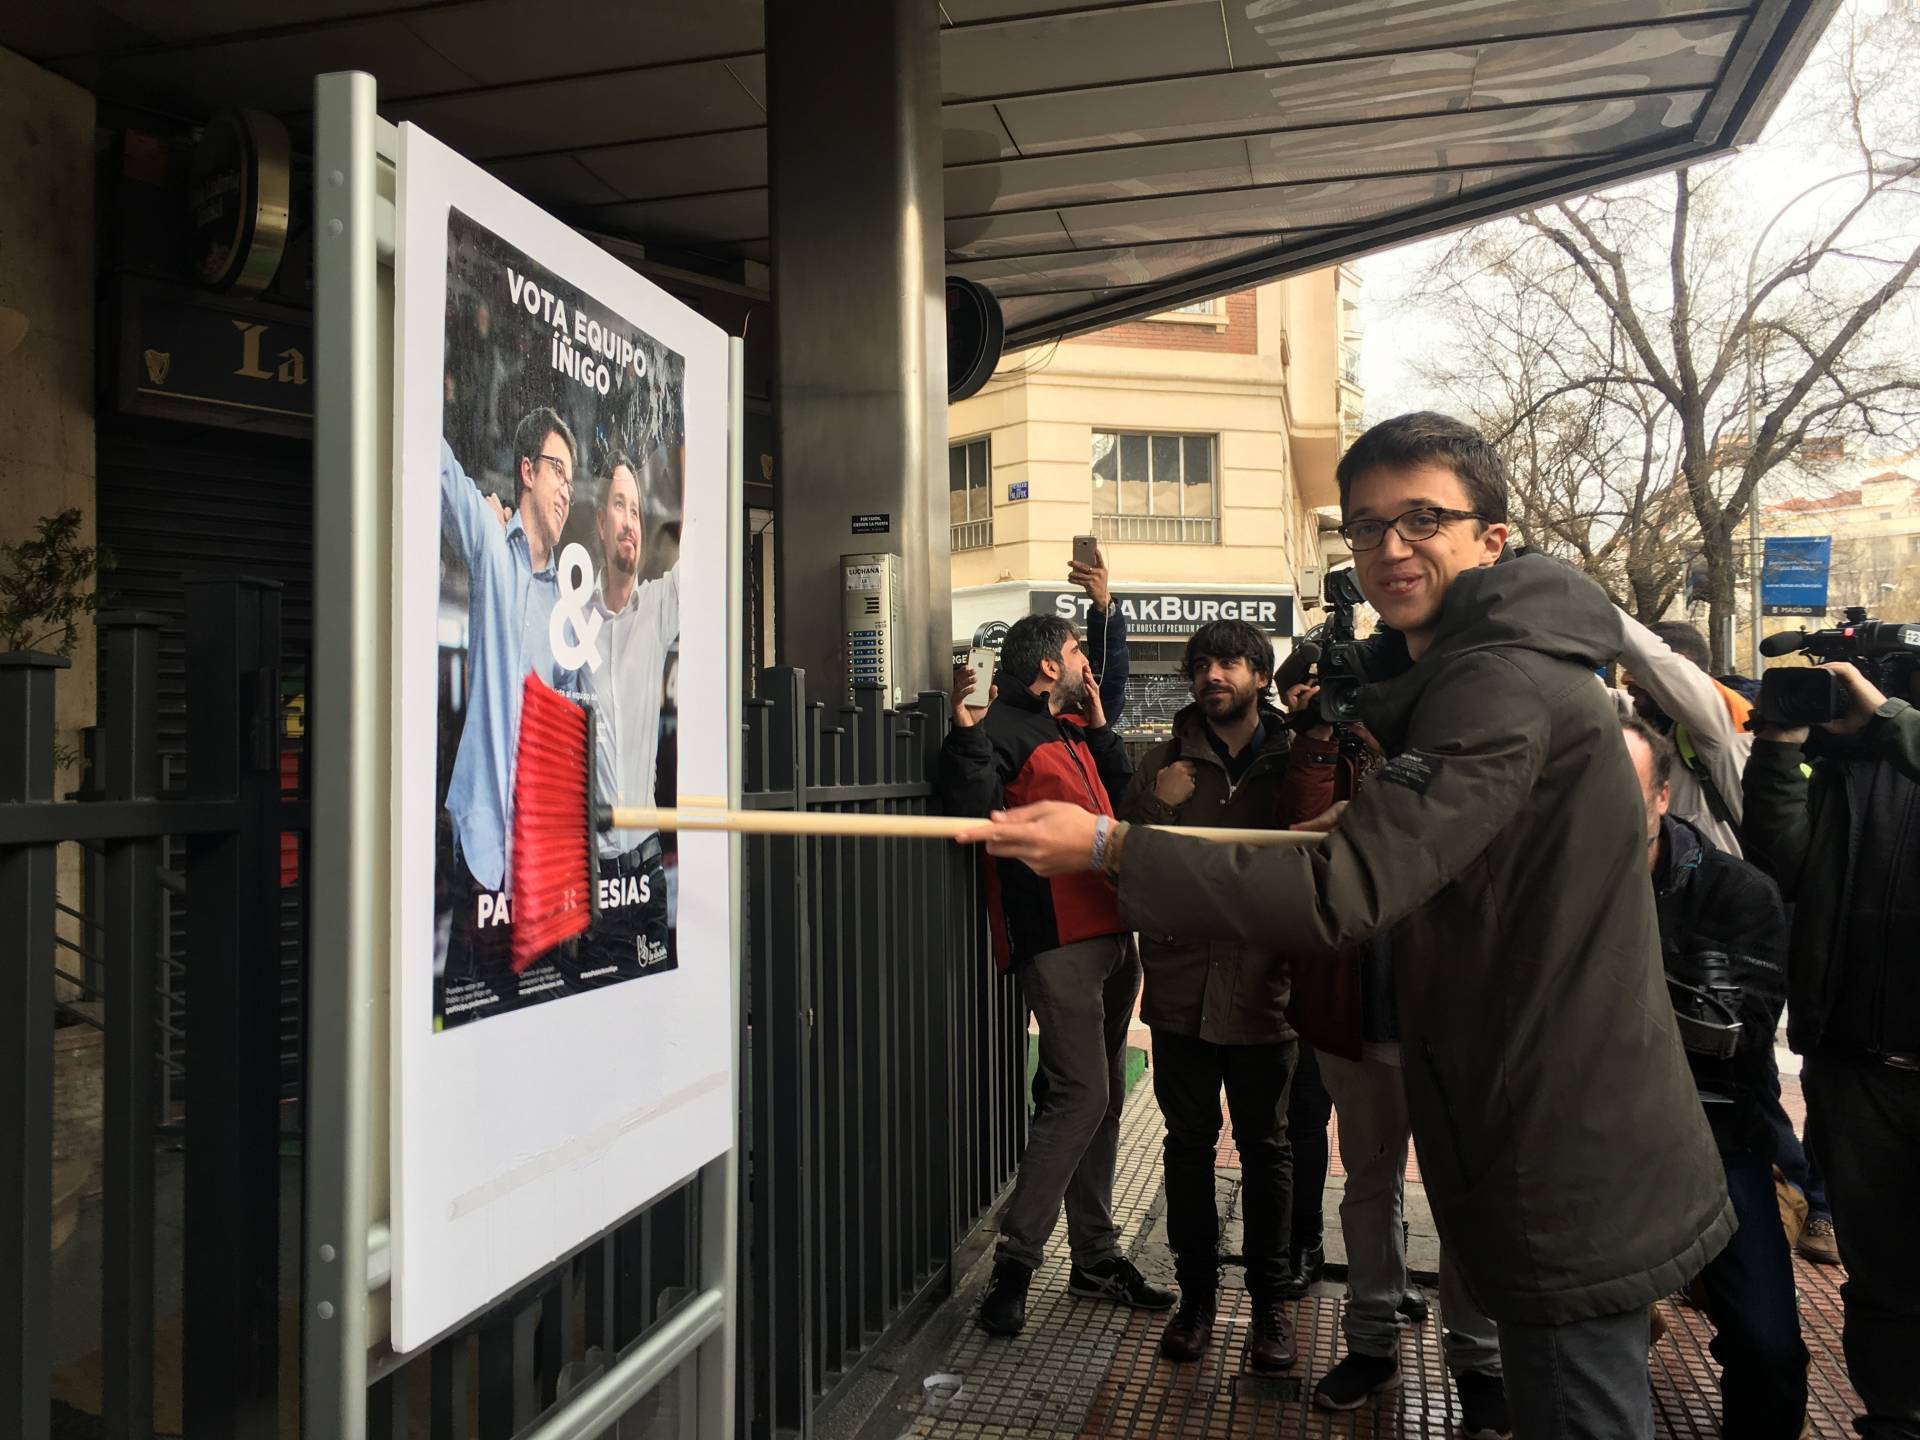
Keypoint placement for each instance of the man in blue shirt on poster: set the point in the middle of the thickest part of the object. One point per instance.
(513, 587)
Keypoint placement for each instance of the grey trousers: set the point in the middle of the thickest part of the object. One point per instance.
(1370, 1097)
(1082, 995)
(1584, 1380)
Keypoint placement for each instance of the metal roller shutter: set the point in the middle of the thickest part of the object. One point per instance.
(176, 502)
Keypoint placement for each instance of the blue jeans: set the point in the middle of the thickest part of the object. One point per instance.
(1748, 1294)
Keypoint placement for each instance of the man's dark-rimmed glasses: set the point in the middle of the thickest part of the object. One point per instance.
(1422, 523)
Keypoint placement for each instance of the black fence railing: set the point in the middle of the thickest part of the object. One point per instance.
(886, 1059)
(883, 1106)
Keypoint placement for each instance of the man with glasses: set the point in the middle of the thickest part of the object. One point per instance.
(1569, 1165)
(512, 586)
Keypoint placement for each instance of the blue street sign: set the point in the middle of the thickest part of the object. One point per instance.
(1793, 577)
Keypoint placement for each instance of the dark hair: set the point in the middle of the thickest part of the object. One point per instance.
(1031, 639)
(1661, 747)
(1685, 641)
(1426, 438)
(1229, 640)
(531, 434)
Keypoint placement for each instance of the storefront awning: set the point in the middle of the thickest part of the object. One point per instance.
(1103, 160)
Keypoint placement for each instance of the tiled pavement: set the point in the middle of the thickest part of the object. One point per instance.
(1085, 1369)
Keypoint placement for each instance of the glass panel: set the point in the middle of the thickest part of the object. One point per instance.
(1199, 476)
(1106, 473)
(956, 484)
(1166, 475)
(1133, 474)
(979, 472)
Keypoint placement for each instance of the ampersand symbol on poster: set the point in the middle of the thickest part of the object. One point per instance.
(570, 613)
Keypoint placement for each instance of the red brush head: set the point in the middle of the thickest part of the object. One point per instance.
(553, 871)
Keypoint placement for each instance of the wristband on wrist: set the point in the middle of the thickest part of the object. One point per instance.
(1115, 840)
(1102, 827)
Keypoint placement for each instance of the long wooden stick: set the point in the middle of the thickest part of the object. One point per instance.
(894, 827)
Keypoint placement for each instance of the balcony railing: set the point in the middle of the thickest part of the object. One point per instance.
(1158, 529)
(973, 535)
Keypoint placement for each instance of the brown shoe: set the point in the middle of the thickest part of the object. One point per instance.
(1190, 1330)
(1270, 1348)
(1818, 1244)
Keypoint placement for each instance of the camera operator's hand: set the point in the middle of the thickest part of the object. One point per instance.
(1173, 786)
(1866, 698)
(1300, 697)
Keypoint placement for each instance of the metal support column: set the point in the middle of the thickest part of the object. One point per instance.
(353, 195)
(854, 141)
(26, 1053)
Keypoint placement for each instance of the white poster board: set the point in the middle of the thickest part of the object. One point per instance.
(560, 486)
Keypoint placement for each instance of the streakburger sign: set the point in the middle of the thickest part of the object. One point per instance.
(1170, 612)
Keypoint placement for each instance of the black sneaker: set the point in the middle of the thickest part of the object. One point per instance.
(1119, 1281)
(1307, 1265)
(1004, 1311)
(1483, 1406)
(1413, 1307)
(1356, 1380)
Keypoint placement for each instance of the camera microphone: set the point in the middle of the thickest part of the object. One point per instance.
(1785, 643)
(1302, 658)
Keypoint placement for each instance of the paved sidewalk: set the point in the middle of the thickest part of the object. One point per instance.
(1087, 1369)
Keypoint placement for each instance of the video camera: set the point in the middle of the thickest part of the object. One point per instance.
(1330, 646)
(1884, 652)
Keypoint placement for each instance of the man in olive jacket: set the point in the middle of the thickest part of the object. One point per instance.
(1566, 1156)
(1837, 823)
(1218, 1008)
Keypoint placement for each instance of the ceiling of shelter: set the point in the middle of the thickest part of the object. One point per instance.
(1104, 158)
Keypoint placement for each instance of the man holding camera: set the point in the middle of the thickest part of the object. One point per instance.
(1833, 814)
(1046, 738)
(1504, 845)
(1723, 942)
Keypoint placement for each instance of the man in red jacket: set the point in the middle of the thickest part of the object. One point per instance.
(1045, 737)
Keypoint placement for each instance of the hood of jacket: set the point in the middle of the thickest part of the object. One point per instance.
(1528, 601)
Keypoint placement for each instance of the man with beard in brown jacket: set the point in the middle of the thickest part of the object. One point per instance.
(1218, 1008)
(1568, 1162)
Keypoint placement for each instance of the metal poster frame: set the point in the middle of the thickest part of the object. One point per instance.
(344, 1257)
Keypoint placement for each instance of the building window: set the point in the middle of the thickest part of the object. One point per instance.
(1155, 488)
(1200, 312)
(969, 494)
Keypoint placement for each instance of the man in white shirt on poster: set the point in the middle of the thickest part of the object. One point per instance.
(640, 622)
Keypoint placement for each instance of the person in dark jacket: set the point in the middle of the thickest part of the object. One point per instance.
(1834, 816)
(1045, 737)
(1218, 1009)
(1503, 844)
(1723, 942)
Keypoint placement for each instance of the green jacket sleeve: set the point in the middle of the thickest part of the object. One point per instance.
(1894, 733)
(1474, 749)
(1775, 831)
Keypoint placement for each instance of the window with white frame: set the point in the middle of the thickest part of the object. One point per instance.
(970, 494)
(1157, 488)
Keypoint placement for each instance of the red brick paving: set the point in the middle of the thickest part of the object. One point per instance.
(1143, 1396)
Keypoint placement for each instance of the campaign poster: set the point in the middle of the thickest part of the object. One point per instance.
(562, 492)
(561, 485)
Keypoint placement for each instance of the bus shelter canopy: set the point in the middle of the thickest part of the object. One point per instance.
(1103, 158)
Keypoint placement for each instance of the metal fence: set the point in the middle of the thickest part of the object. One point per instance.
(887, 1060)
(883, 1109)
